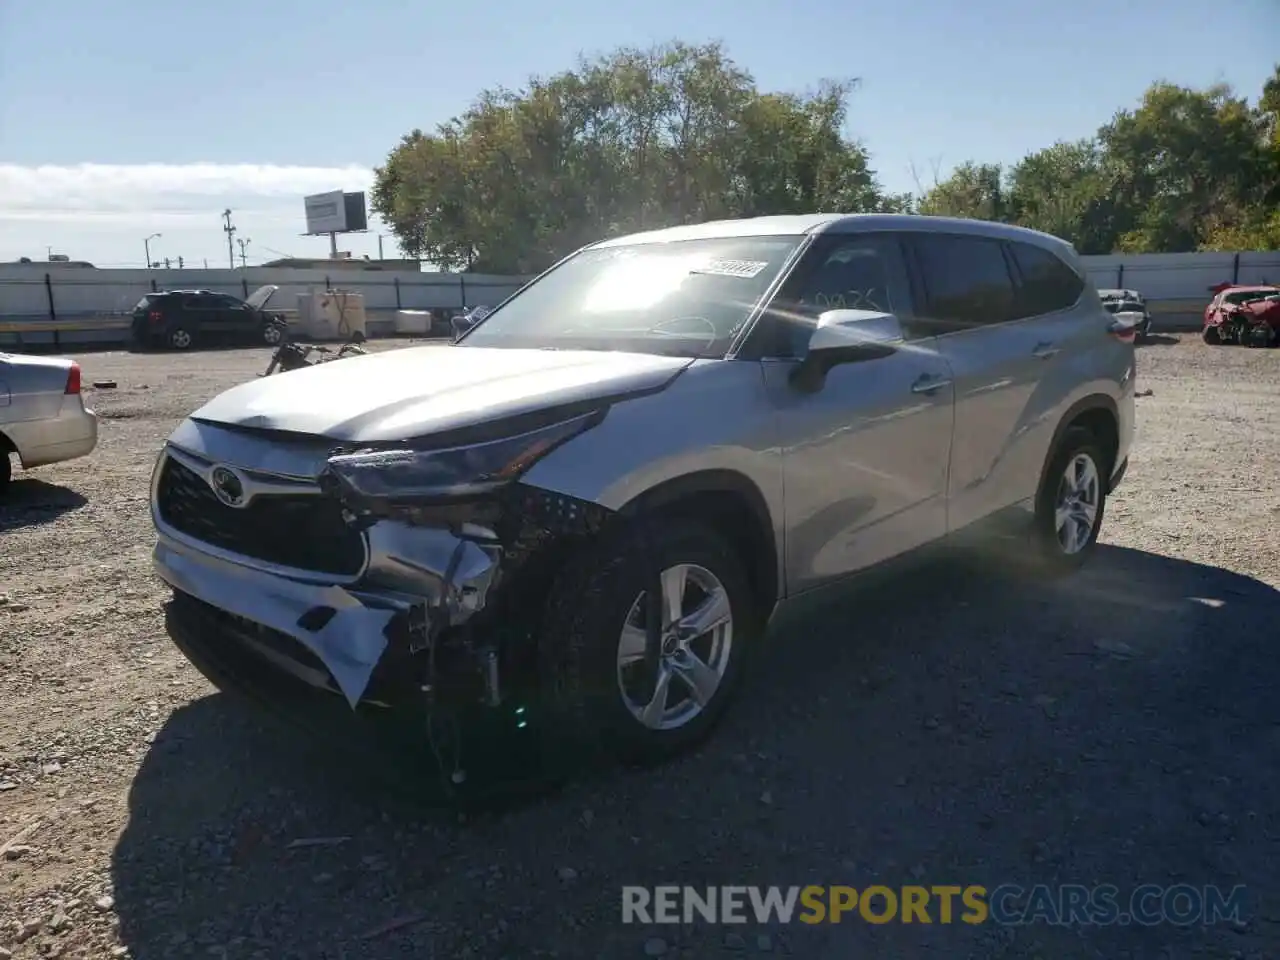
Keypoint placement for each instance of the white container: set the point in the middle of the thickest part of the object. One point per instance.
(332, 315)
(413, 322)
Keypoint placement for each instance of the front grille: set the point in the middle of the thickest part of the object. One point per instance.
(303, 532)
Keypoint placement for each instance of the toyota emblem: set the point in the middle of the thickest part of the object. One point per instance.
(228, 487)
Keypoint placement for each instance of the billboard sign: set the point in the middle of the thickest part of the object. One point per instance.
(326, 212)
(357, 215)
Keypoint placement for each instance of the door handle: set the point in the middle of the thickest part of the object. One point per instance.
(929, 384)
(1044, 351)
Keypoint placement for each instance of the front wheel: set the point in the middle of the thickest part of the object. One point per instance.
(1211, 336)
(6, 470)
(644, 643)
(272, 333)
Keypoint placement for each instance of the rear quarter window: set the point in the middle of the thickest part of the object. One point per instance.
(1048, 284)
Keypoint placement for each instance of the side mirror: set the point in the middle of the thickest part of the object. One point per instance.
(846, 336)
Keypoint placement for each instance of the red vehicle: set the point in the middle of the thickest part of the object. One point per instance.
(1244, 315)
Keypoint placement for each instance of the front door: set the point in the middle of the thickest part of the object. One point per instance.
(865, 457)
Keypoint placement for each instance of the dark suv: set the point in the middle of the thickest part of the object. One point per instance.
(180, 318)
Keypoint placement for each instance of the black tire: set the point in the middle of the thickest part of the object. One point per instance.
(1211, 336)
(1050, 557)
(179, 338)
(583, 712)
(6, 468)
(273, 333)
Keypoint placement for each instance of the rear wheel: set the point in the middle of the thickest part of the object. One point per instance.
(180, 338)
(644, 644)
(6, 467)
(1070, 504)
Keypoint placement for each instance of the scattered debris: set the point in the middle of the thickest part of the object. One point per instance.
(655, 947)
(391, 926)
(104, 384)
(316, 842)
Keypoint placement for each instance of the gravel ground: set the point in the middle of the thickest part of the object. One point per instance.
(1121, 727)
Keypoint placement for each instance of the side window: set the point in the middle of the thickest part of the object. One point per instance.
(966, 281)
(839, 272)
(1048, 284)
(192, 302)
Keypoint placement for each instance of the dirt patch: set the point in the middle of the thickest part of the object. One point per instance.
(1120, 727)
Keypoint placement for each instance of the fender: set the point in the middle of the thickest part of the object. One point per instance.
(770, 567)
(1095, 401)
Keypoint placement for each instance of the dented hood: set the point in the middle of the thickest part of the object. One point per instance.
(412, 392)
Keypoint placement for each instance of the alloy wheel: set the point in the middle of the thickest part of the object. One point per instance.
(673, 653)
(1076, 505)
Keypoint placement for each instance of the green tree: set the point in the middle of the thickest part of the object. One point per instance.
(1065, 190)
(636, 139)
(974, 190)
(1183, 164)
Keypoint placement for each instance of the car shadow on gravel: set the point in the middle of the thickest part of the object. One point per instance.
(28, 502)
(951, 726)
(1159, 340)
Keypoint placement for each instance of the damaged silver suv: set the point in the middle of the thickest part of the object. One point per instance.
(592, 503)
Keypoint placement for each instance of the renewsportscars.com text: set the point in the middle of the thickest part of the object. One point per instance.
(1007, 904)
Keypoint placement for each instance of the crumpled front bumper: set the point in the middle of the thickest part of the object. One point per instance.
(420, 583)
(349, 644)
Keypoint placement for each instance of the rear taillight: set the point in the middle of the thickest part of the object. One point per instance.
(154, 316)
(73, 380)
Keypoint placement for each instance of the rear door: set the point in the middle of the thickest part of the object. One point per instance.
(196, 313)
(997, 358)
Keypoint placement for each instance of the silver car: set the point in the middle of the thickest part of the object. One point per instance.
(43, 418)
(586, 511)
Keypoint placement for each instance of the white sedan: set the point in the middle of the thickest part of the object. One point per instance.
(42, 413)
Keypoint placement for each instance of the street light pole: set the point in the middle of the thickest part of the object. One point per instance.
(146, 245)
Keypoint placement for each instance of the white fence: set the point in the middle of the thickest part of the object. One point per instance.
(46, 290)
(57, 304)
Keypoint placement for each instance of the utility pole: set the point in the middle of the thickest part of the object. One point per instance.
(230, 231)
(379, 246)
(244, 243)
(146, 245)
(179, 262)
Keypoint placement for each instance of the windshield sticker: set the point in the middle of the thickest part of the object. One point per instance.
(744, 269)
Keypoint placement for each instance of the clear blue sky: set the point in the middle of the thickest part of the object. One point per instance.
(328, 84)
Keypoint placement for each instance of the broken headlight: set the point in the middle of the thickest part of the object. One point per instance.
(405, 473)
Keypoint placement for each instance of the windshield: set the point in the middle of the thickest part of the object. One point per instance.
(687, 297)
